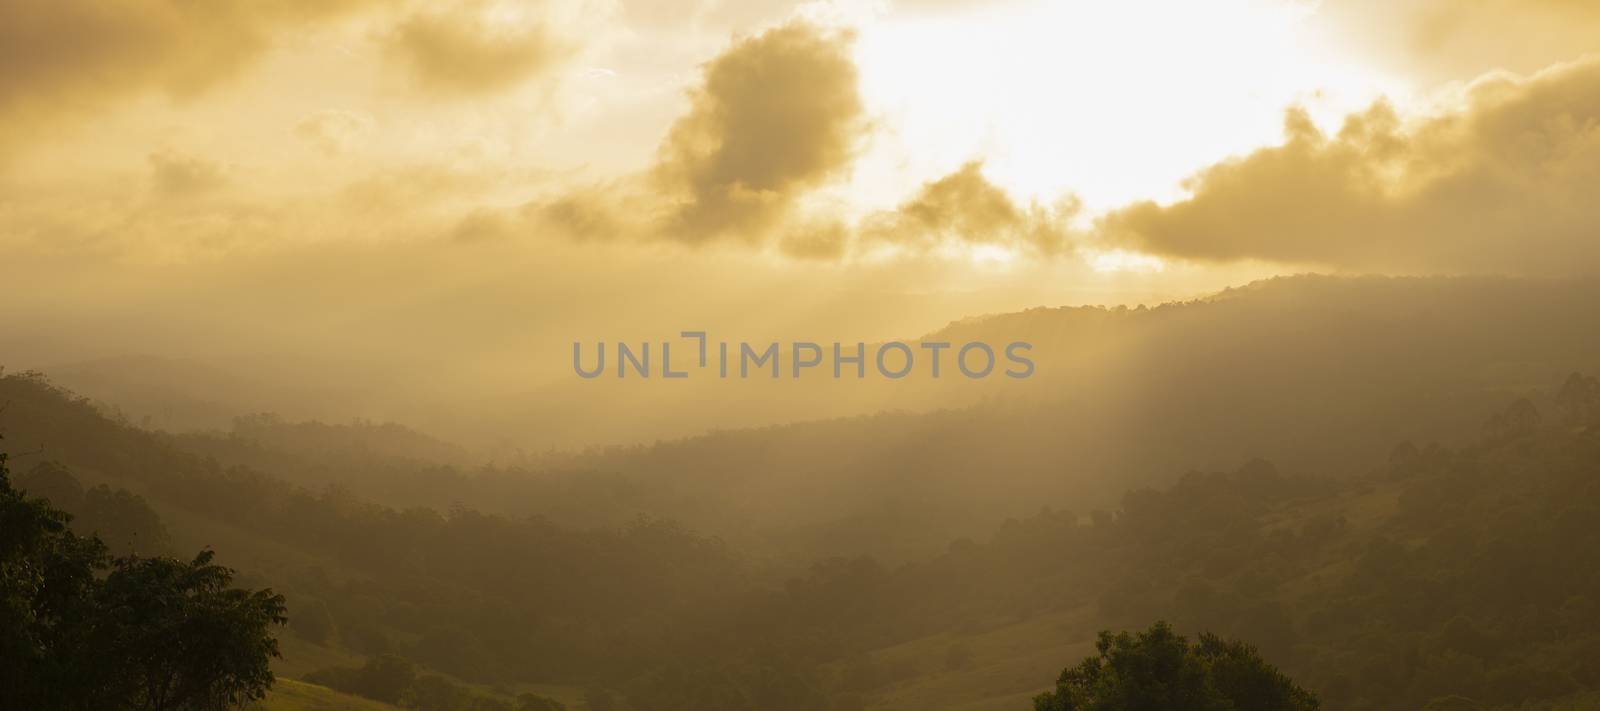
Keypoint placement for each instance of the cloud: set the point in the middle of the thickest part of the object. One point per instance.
(396, 189)
(592, 213)
(777, 115)
(965, 208)
(481, 225)
(463, 53)
(332, 131)
(176, 175)
(71, 56)
(1443, 40)
(825, 240)
(960, 210)
(1506, 181)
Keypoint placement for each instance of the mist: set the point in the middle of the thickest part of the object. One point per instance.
(822, 356)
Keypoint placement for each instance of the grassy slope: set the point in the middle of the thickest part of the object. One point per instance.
(292, 695)
(1008, 665)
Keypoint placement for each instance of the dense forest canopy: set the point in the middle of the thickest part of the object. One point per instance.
(1319, 375)
(1445, 572)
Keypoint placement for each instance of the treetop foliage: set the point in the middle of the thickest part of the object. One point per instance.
(82, 630)
(1158, 670)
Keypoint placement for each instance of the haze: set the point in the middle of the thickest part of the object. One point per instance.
(1324, 269)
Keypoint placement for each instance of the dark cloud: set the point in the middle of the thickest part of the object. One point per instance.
(593, 213)
(825, 240)
(965, 208)
(1505, 182)
(71, 56)
(458, 52)
(777, 115)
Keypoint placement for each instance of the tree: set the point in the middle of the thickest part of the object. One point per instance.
(46, 583)
(176, 635)
(1157, 670)
(150, 633)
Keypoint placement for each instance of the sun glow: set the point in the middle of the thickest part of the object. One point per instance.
(1113, 101)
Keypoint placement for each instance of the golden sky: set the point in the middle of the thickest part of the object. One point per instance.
(476, 183)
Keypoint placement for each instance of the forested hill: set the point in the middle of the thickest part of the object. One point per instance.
(1461, 577)
(1320, 375)
(1310, 371)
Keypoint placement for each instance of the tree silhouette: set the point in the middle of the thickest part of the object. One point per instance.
(1158, 670)
(82, 630)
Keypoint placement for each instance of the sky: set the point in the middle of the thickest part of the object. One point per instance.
(462, 190)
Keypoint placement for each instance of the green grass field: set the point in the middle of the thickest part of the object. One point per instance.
(291, 695)
(1001, 668)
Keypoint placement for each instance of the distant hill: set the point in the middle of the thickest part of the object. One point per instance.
(1321, 375)
(1317, 374)
(183, 394)
(1291, 364)
(1440, 573)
